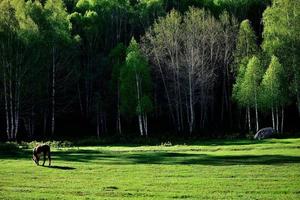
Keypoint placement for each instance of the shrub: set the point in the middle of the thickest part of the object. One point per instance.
(9, 147)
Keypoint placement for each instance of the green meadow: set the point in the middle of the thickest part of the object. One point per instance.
(214, 169)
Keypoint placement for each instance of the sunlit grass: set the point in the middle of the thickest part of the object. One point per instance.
(216, 169)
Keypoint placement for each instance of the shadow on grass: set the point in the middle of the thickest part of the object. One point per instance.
(60, 167)
(228, 142)
(164, 158)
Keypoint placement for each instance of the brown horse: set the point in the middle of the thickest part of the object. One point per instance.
(38, 150)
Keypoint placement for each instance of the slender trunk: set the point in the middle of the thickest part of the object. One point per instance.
(140, 124)
(166, 89)
(202, 103)
(6, 106)
(256, 117)
(17, 105)
(249, 118)
(176, 90)
(119, 127)
(191, 94)
(145, 124)
(277, 120)
(187, 109)
(273, 119)
(139, 104)
(246, 117)
(11, 107)
(191, 124)
(53, 92)
(224, 97)
(256, 112)
(282, 118)
(178, 85)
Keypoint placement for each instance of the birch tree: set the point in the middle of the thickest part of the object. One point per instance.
(200, 52)
(135, 82)
(281, 37)
(165, 38)
(57, 34)
(274, 92)
(245, 48)
(250, 85)
(17, 33)
(186, 53)
(9, 39)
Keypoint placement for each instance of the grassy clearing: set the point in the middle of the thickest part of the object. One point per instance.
(216, 169)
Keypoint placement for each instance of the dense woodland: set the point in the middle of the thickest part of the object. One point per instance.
(205, 68)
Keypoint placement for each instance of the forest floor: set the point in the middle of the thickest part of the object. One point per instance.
(216, 169)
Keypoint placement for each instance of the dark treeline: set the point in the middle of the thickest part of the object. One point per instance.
(74, 68)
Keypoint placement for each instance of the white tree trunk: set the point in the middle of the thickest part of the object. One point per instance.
(145, 124)
(140, 124)
(6, 106)
(282, 118)
(273, 119)
(12, 126)
(256, 112)
(17, 105)
(191, 124)
(277, 120)
(249, 118)
(139, 103)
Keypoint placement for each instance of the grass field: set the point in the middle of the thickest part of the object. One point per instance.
(216, 169)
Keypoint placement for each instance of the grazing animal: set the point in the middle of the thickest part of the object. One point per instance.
(38, 150)
(264, 133)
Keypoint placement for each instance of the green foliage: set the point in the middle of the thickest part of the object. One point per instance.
(59, 24)
(251, 81)
(246, 45)
(245, 48)
(273, 86)
(282, 38)
(9, 147)
(83, 32)
(135, 82)
(237, 92)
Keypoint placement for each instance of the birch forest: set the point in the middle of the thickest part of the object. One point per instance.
(148, 68)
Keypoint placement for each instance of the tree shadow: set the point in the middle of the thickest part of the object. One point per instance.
(206, 159)
(157, 157)
(60, 167)
(174, 158)
(228, 142)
